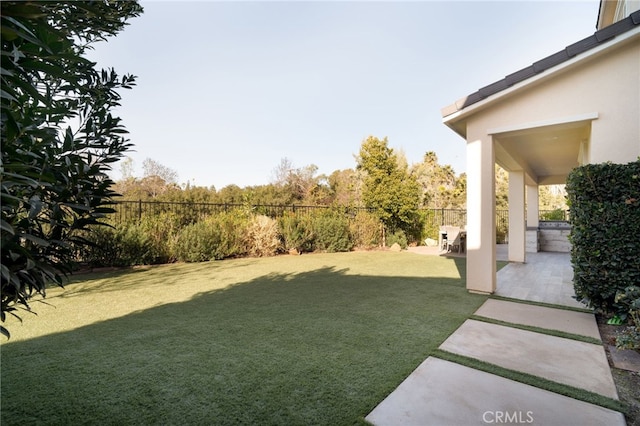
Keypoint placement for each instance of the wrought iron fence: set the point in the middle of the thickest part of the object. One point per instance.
(129, 211)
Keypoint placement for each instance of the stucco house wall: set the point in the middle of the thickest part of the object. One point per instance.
(580, 105)
(615, 135)
(607, 84)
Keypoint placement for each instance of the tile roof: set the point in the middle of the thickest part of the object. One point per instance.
(544, 64)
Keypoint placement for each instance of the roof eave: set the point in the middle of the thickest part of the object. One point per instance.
(583, 49)
(453, 114)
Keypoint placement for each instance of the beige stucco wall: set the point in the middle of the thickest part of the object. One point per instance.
(607, 84)
(601, 90)
(615, 135)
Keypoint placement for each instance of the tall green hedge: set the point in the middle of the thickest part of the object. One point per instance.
(604, 202)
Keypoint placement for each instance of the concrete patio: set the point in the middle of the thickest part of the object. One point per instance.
(545, 277)
(441, 392)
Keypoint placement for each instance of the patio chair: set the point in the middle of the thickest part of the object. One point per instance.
(443, 238)
(453, 238)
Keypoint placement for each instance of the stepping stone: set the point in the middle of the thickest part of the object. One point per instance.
(579, 364)
(581, 323)
(440, 392)
(625, 359)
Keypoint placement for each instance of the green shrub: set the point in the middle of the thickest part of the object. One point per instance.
(297, 232)
(331, 231)
(629, 337)
(431, 224)
(101, 249)
(216, 237)
(124, 245)
(397, 237)
(161, 231)
(414, 227)
(629, 301)
(197, 243)
(263, 237)
(130, 243)
(502, 229)
(366, 230)
(557, 214)
(604, 200)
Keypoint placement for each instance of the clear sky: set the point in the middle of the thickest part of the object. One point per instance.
(227, 89)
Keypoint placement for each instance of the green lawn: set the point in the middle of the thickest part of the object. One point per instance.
(290, 340)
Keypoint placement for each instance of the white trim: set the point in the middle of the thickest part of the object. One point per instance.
(450, 119)
(544, 123)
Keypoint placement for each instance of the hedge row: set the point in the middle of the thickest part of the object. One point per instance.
(165, 238)
(604, 200)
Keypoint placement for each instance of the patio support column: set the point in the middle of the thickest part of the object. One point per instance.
(533, 213)
(517, 234)
(481, 217)
(533, 207)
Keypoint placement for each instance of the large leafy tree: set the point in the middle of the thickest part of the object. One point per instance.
(439, 184)
(59, 137)
(346, 187)
(301, 184)
(388, 187)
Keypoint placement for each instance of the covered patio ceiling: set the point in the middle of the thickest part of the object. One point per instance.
(546, 153)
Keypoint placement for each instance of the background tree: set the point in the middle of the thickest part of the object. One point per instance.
(231, 194)
(459, 199)
(280, 174)
(126, 168)
(346, 187)
(128, 182)
(388, 187)
(302, 184)
(157, 178)
(152, 168)
(502, 188)
(438, 183)
(552, 197)
(59, 137)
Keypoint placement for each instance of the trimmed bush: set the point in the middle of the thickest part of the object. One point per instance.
(604, 201)
(124, 245)
(297, 232)
(161, 232)
(263, 236)
(127, 244)
(216, 237)
(331, 231)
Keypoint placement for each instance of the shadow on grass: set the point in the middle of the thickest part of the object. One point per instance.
(143, 276)
(319, 347)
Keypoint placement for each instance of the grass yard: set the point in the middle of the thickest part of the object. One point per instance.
(289, 340)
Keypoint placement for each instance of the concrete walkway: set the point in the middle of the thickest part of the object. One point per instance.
(444, 393)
